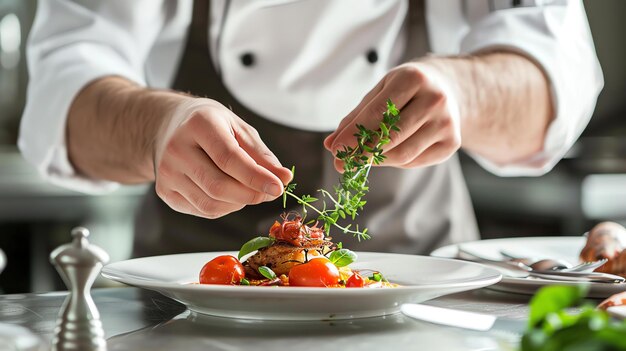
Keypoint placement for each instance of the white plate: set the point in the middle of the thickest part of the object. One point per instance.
(422, 278)
(566, 248)
(618, 312)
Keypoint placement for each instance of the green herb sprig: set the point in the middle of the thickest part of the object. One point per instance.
(357, 162)
(552, 327)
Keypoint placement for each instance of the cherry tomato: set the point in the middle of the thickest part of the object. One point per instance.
(225, 270)
(355, 281)
(317, 272)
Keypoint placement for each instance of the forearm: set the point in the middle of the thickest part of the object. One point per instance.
(111, 128)
(504, 101)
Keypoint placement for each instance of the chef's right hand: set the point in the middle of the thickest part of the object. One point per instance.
(209, 162)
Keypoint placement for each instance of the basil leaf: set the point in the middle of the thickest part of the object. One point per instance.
(553, 299)
(556, 328)
(267, 272)
(257, 243)
(342, 257)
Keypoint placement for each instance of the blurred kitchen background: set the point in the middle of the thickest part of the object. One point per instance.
(587, 187)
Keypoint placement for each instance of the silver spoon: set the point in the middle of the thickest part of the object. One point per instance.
(547, 264)
(554, 264)
(520, 270)
(587, 266)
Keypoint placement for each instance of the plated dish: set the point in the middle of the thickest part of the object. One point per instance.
(421, 278)
(564, 248)
(293, 254)
(296, 272)
(298, 251)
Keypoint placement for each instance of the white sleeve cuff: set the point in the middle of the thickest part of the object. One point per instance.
(59, 78)
(71, 44)
(559, 40)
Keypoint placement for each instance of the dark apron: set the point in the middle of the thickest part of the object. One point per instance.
(160, 230)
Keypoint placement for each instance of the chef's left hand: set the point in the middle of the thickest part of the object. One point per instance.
(429, 124)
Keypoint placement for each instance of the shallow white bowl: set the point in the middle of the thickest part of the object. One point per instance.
(422, 278)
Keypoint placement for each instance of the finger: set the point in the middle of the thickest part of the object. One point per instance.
(427, 108)
(435, 154)
(413, 146)
(328, 142)
(338, 164)
(411, 120)
(398, 90)
(217, 140)
(369, 116)
(409, 149)
(250, 140)
(171, 197)
(205, 206)
(178, 203)
(214, 183)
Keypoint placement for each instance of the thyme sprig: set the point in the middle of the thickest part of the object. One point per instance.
(348, 200)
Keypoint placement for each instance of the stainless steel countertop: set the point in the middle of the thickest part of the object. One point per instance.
(136, 319)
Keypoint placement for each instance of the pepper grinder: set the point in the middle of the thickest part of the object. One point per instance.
(78, 325)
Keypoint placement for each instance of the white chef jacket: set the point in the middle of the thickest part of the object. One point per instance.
(310, 61)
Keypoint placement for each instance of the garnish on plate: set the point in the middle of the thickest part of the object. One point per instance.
(299, 253)
(293, 257)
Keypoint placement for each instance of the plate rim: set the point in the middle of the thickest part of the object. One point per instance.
(285, 303)
(493, 277)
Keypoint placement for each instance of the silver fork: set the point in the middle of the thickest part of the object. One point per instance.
(586, 266)
(519, 270)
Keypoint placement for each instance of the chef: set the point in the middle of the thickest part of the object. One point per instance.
(214, 101)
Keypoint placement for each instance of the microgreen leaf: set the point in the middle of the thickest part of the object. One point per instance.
(267, 272)
(376, 277)
(308, 199)
(244, 281)
(254, 244)
(342, 257)
(391, 108)
(384, 129)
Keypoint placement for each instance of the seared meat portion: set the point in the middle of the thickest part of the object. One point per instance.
(281, 256)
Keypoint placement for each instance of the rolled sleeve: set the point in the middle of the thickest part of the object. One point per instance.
(69, 46)
(558, 39)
